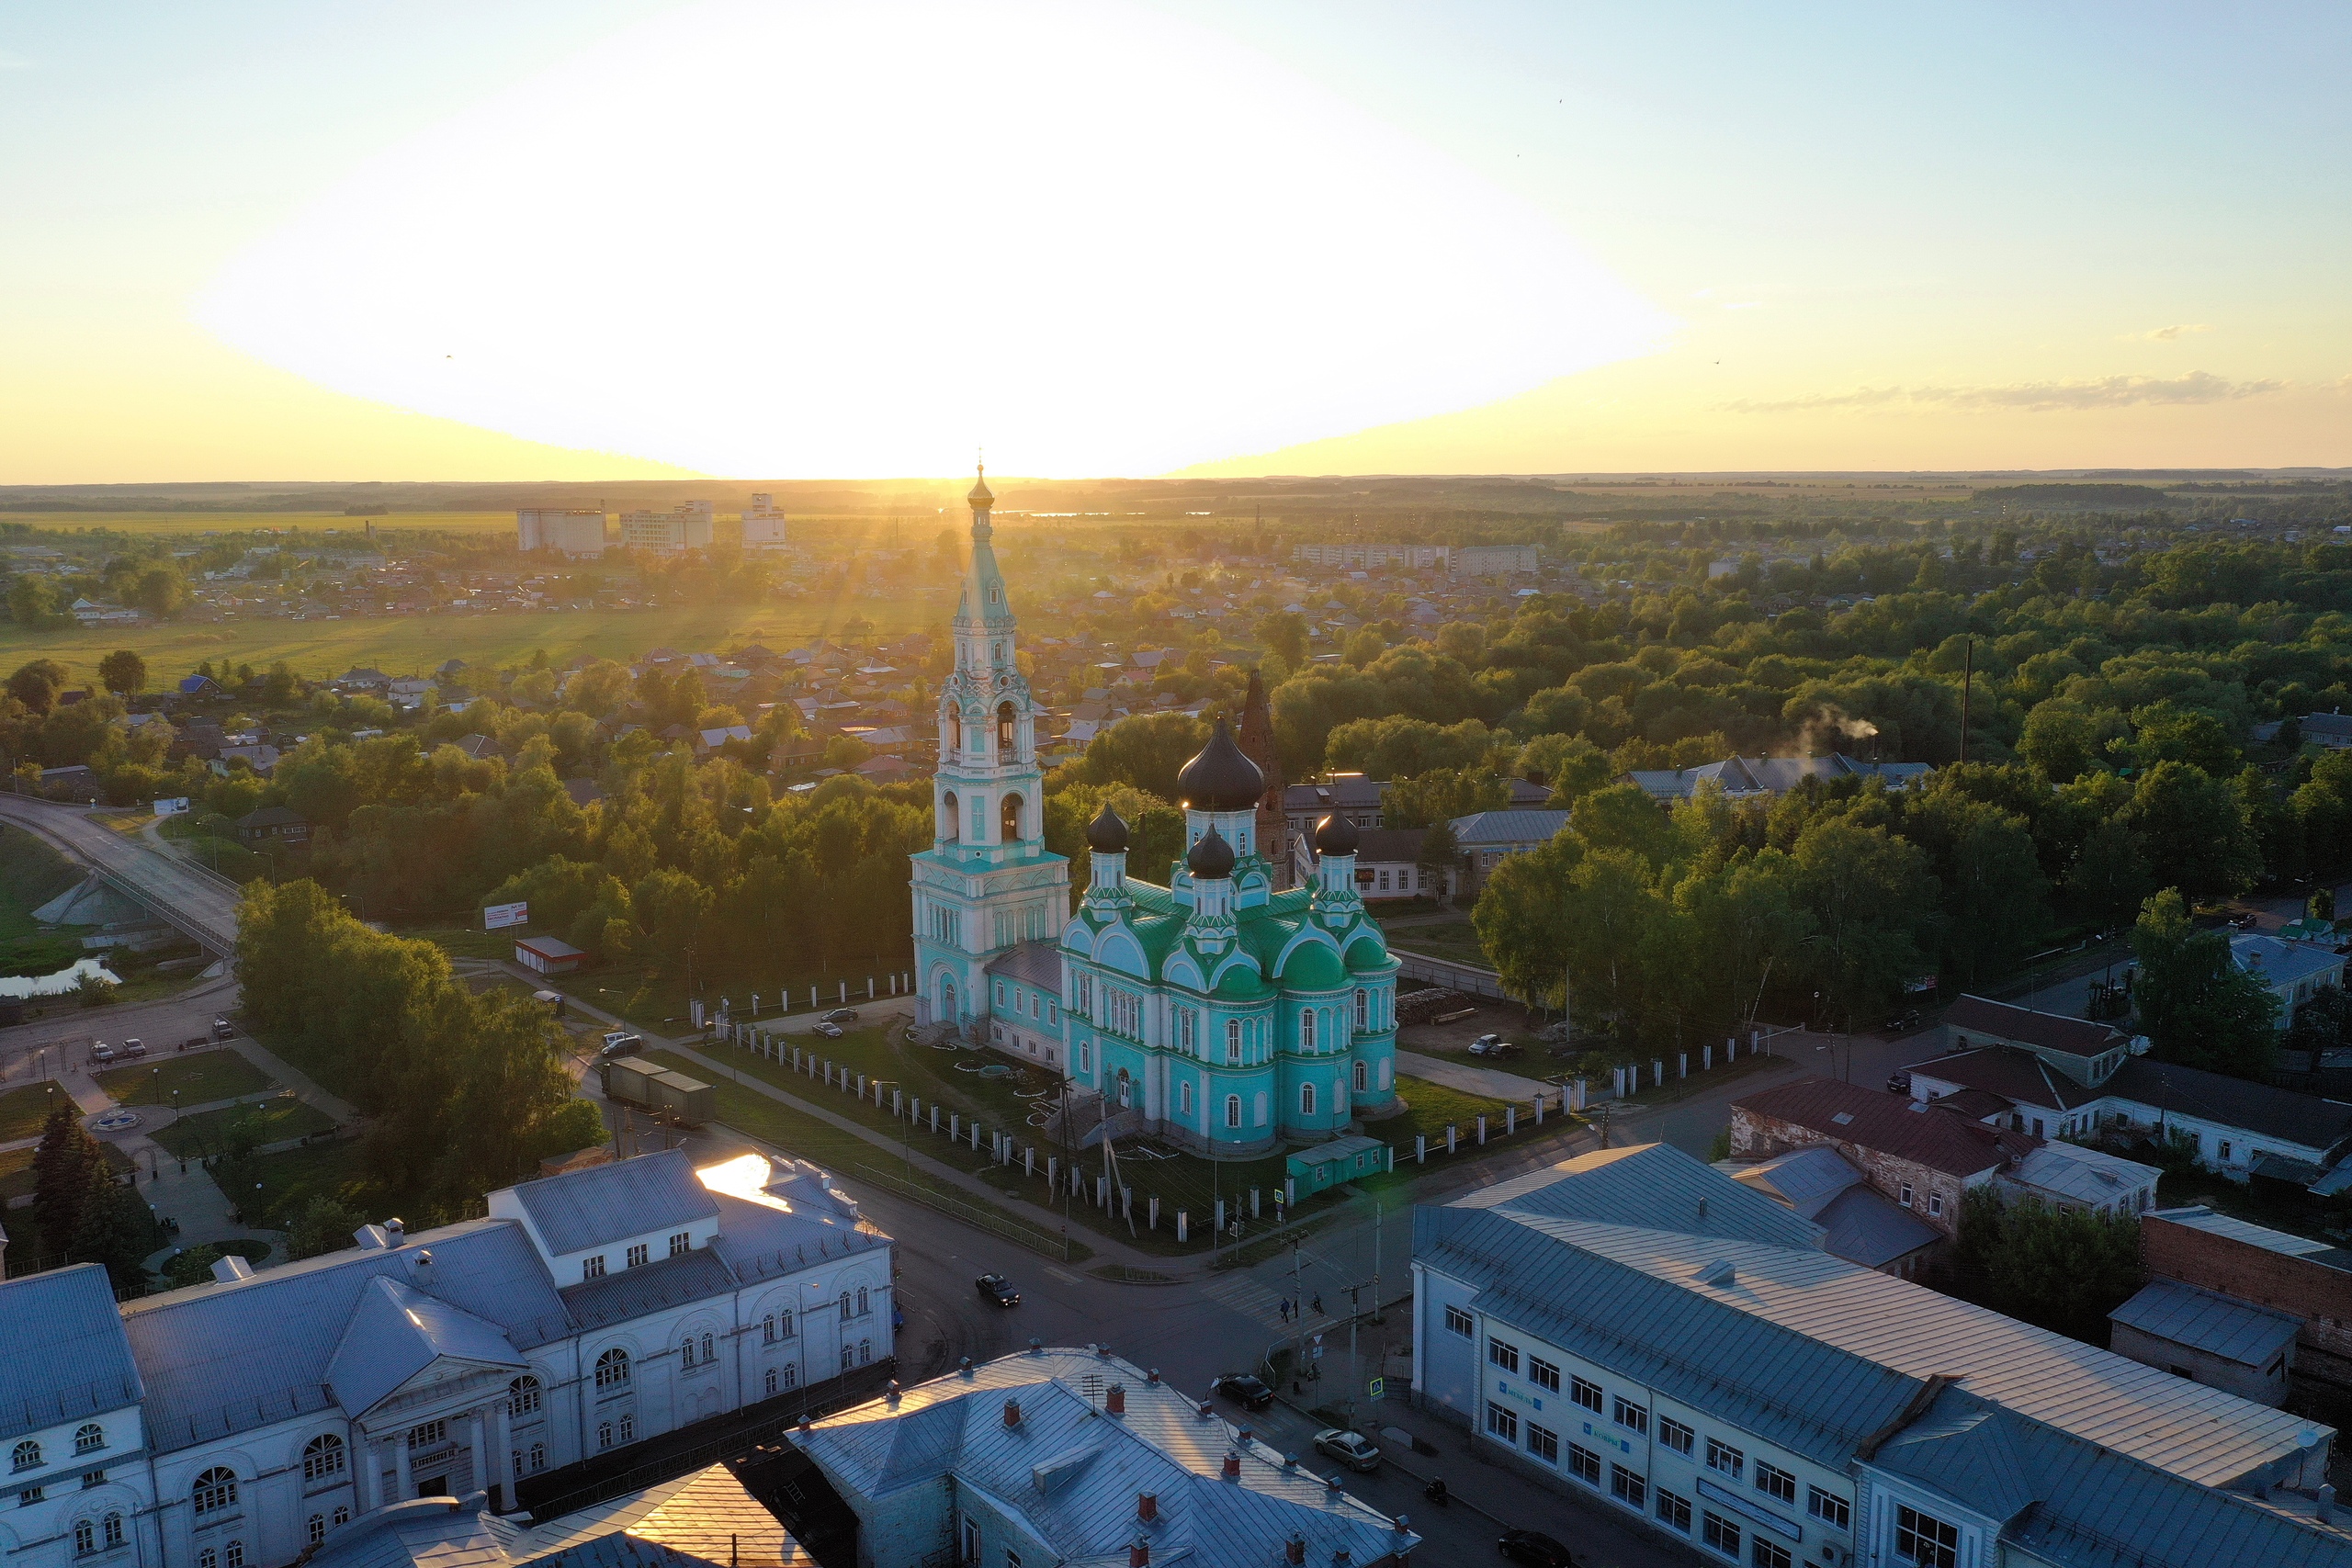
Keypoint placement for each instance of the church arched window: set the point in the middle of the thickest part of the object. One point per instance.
(1010, 820)
(950, 817)
(1233, 1042)
(1008, 731)
(1233, 1110)
(1306, 1100)
(1307, 1030)
(1184, 1098)
(1363, 1076)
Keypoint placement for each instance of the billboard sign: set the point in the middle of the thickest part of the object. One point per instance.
(496, 917)
(177, 806)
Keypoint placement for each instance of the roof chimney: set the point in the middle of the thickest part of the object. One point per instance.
(890, 1390)
(1114, 1400)
(1294, 1549)
(232, 1268)
(1147, 1505)
(1013, 1412)
(1139, 1554)
(396, 1231)
(965, 1366)
(1339, 1558)
(1205, 1410)
(1232, 1465)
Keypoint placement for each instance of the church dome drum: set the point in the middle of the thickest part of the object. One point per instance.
(1221, 778)
(1212, 857)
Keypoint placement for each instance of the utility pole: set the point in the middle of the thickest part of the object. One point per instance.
(1967, 682)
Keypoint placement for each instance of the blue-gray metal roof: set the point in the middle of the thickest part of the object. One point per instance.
(1783, 1386)
(1863, 1225)
(584, 1210)
(1654, 1184)
(397, 1331)
(2219, 1325)
(1804, 1179)
(2282, 963)
(648, 1288)
(1490, 828)
(1070, 1474)
(66, 1357)
(2066, 1500)
(206, 1377)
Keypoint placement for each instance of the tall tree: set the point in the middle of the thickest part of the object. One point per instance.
(123, 672)
(2198, 1007)
(65, 1162)
(2190, 824)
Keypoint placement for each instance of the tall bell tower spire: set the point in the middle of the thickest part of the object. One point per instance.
(987, 883)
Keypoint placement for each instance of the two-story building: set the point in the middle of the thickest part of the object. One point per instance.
(236, 1423)
(1633, 1326)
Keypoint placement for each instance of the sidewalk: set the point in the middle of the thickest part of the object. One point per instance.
(305, 1088)
(1104, 1246)
(1472, 1079)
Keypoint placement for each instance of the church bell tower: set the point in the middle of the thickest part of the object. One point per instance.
(986, 884)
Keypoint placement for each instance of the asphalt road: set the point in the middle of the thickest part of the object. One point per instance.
(196, 902)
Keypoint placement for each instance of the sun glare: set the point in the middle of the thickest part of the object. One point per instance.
(829, 240)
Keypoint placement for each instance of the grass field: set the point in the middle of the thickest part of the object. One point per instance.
(31, 874)
(22, 1110)
(269, 1121)
(17, 1181)
(289, 1180)
(1454, 940)
(410, 644)
(201, 1078)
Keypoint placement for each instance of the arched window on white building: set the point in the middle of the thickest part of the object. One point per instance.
(1306, 1100)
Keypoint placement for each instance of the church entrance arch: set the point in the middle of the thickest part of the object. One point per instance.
(1126, 1090)
(946, 999)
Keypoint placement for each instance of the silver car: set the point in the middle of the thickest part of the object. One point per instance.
(1351, 1448)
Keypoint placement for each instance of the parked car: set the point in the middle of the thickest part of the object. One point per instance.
(101, 1052)
(620, 1042)
(1250, 1393)
(830, 1031)
(1351, 1448)
(223, 1030)
(1492, 1045)
(1905, 1022)
(134, 1047)
(842, 1015)
(997, 1291)
(1535, 1547)
(1898, 1082)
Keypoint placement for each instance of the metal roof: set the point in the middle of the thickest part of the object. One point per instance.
(1864, 1225)
(1648, 1184)
(2219, 1325)
(1070, 1474)
(606, 1203)
(2079, 1175)
(1886, 1124)
(2067, 1500)
(1487, 828)
(2010, 1071)
(1812, 1345)
(2200, 1218)
(396, 1332)
(67, 1354)
(2029, 1026)
(1805, 1179)
(2282, 1113)
(196, 1347)
(2282, 963)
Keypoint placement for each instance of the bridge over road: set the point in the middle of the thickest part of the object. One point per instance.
(198, 903)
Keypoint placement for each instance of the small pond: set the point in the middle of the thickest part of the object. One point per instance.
(62, 983)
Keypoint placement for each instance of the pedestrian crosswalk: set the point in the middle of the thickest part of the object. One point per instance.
(1244, 1293)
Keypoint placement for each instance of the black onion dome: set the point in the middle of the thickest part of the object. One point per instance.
(1212, 857)
(1221, 778)
(1107, 832)
(1335, 835)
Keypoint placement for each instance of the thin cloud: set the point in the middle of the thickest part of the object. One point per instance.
(2166, 335)
(11, 61)
(2034, 397)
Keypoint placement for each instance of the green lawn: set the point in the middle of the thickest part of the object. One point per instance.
(31, 874)
(650, 1001)
(405, 644)
(22, 1110)
(289, 1180)
(323, 1063)
(1456, 940)
(17, 1181)
(200, 1077)
(269, 1122)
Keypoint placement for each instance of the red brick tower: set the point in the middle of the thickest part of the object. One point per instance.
(1258, 744)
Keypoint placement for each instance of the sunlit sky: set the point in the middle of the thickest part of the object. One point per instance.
(466, 239)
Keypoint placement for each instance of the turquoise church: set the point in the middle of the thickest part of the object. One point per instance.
(1228, 1017)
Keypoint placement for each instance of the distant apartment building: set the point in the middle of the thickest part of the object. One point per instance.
(575, 531)
(1373, 558)
(762, 523)
(668, 532)
(1495, 561)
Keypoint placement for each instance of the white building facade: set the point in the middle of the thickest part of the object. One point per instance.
(238, 1422)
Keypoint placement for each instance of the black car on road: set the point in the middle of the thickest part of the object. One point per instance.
(842, 1015)
(1535, 1548)
(997, 1291)
(1250, 1393)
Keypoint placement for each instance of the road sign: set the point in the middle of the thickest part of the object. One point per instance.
(1376, 1388)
